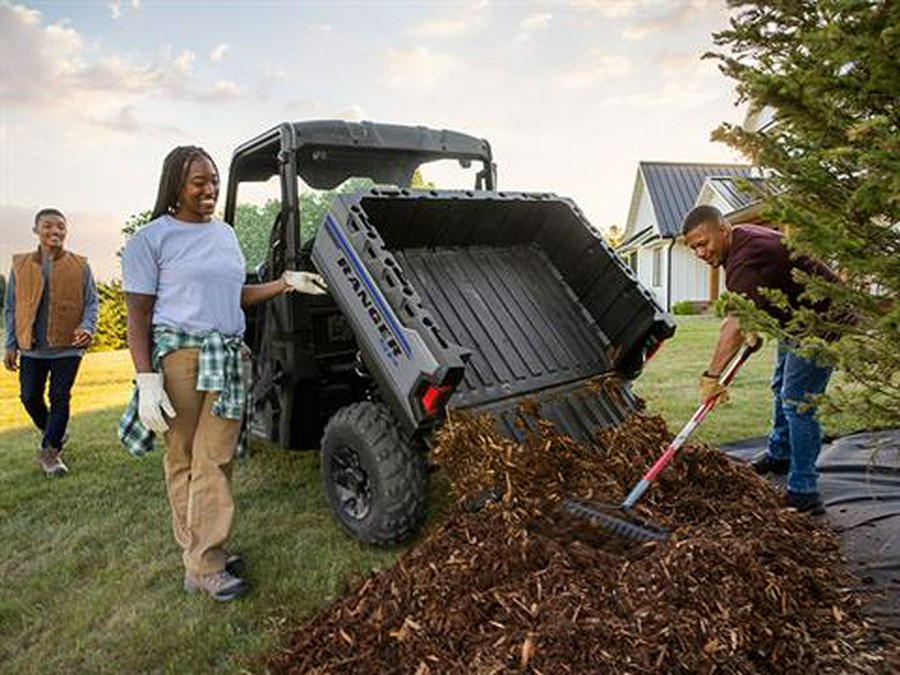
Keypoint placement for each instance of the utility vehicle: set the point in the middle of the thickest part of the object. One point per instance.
(473, 299)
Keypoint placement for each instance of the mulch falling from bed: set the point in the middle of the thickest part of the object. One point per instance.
(741, 586)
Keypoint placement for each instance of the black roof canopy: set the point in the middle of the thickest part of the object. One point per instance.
(330, 151)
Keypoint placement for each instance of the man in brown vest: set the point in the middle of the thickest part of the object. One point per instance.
(50, 313)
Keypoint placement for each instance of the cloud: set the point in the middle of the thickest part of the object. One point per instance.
(679, 15)
(534, 22)
(125, 121)
(678, 81)
(40, 55)
(222, 91)
(592, 67)
(464, 20)
(218, 53)
(315, 109)
(671, 95)
(270, 80)
(417, 69)
(610, 9)
(622, 9)
(354, 113)
(55, 69)
(115, 7)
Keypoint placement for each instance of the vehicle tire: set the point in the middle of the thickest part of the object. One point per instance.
(374, 476)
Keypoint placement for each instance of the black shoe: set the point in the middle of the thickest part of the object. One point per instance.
(809, 503)
(234, 564)
(767, 464)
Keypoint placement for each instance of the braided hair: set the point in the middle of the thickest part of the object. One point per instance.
(174, 172)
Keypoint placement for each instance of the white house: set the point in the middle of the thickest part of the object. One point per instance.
(663, 193)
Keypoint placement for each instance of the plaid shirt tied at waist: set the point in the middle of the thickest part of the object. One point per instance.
(219, 369)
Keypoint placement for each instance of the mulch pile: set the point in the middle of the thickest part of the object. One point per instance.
(741, 586)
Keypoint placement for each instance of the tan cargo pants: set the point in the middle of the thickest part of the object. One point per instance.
(200, 448)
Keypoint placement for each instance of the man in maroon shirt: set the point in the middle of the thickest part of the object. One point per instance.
(755, 258)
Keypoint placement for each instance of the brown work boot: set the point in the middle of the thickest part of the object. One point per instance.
(50, 463)
(219, 585)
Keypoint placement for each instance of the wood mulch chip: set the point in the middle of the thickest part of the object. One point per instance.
(741, 586)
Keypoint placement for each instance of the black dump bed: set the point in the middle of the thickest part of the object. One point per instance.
(489, 299)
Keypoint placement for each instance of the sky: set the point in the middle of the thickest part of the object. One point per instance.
(571, 94)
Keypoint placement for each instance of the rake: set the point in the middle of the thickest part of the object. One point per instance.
(617, 519)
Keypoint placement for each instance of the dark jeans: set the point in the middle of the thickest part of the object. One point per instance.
(32, 383)
(796, 432)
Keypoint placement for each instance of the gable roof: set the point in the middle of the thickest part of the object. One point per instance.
(673, 188)
(735, 195)
(646, 235)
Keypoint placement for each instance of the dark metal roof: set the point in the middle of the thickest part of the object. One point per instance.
(673, 188)
(739, 193)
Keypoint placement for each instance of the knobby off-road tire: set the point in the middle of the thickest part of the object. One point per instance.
(374, 476)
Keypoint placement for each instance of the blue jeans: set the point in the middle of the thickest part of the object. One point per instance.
(32, 383)
(796, 432)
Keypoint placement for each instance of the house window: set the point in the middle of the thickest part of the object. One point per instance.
(657, 267)
(632, 261)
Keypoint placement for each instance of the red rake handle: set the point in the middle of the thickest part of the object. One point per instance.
(724, 380)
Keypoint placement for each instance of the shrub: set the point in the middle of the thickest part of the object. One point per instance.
(111, 323)
(684, 307)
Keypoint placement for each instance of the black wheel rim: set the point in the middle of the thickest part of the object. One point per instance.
(351, 483)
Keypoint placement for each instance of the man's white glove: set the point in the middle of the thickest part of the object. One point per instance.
(153, 402)
(304, 282)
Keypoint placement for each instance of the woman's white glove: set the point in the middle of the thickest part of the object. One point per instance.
(304, 282)
(153, 402)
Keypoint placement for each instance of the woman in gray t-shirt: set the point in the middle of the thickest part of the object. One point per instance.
(183, 277)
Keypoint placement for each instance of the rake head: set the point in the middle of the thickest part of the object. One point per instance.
(615, 520)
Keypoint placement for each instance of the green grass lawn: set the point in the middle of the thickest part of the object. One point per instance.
(670, 380)
(91, 574)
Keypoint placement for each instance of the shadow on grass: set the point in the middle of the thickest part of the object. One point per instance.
(92, 574)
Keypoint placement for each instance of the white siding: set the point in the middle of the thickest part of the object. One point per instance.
(645, 262)
(710, 197)
(690, 276)
(645, 216)
(645, 270)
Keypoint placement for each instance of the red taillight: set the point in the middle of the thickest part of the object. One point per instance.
(651, 349)
(433, 397)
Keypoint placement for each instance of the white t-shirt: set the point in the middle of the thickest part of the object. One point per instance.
(195, 270)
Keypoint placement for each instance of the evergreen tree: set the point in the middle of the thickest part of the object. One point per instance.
(830, 71)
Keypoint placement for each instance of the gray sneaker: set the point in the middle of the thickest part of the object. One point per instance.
(50, 463)
(219, 585)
